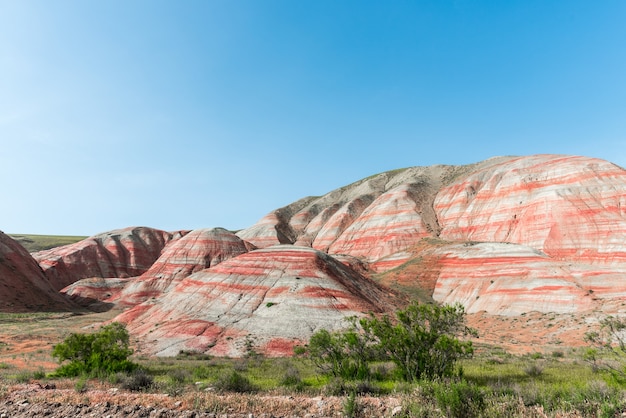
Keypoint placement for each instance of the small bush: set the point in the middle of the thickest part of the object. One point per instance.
(291, 377)
(179, 375)
(201, 372)
(365, 387)
(337, 387)
(39, 374)
(81, 385)
(235, 382)
(533, 370)
(456, 399)
(23, 377)
(138, 381)
(351, 406)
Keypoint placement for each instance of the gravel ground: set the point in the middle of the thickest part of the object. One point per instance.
(37, 400)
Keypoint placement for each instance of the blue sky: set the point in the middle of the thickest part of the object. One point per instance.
(191, 114)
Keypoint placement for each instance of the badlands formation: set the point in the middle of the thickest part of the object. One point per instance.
(509, 238)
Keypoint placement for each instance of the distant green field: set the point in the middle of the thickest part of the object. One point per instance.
(34, 243)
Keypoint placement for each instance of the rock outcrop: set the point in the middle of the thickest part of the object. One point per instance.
(274, 298)
(23, 285)
(121, 253)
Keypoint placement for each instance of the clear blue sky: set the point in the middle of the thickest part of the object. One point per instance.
(190, 114)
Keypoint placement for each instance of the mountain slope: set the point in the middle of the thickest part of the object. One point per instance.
(275, 297)
(23, 286)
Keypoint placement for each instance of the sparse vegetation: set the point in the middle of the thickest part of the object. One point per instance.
(494, 383)
(34, 243)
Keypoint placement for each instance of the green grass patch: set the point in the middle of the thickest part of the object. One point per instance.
(34, 243)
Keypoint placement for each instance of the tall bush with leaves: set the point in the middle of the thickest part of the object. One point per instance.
(104, 352)
(424, 339)
(343, 354)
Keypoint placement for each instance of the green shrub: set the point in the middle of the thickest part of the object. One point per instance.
(291, 378)
(102, 353)
(351, 406)
(23, 377)
(39, 374)
(235, 382)
(456, 399)
(193, 355)
(179, 375)
(533, 370)
(80, 386)
(423, 342)
(138, 381)
(343, 354)
(558, 354)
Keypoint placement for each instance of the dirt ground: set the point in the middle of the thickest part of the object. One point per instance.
(26, 343)
(35, 400)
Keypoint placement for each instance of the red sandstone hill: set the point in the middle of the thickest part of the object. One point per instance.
(276, 298)
(121, 253)
(23, 286)
(505, 237)
(566, 214)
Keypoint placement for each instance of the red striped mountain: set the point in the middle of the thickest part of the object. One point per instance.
(570, 212)
(275, 297)
(121, 253)
(370, 219)
(571, 208)
(23, 285)
(197, 250)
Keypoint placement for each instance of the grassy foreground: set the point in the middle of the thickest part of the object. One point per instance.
(34, 243)
(492, 384)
